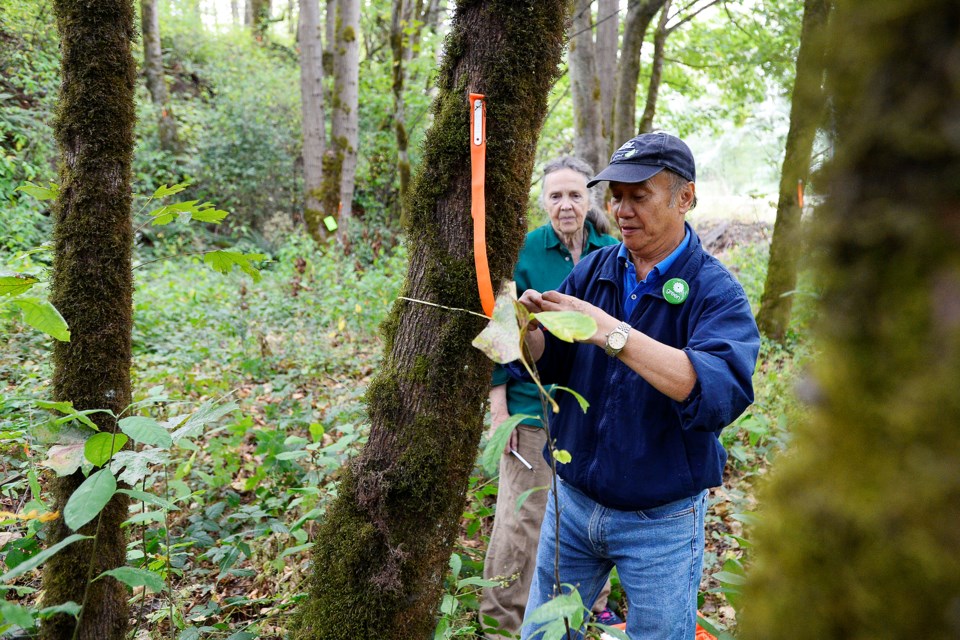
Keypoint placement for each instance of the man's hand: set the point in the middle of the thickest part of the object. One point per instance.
(556, 301)
(498, 413)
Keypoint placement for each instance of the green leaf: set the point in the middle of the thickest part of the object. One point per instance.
(500, 340)
(42, 315)
(163, 191)
(146, 431)
(70, 608)
(569, 326)
(726, 577)
(149, 498)
(38, 192)
(497, 442)
(476, 581)
(161, 216)
(456, 564)
(526, 494)
(584, 405)
(612, 632)
(562, 456)
(41, 557)
(136, 464)
(136, 578)
(100, 447)
(89, 499)
(64, 459)
(205, 414)
(15, 614)
(568, 605)
(225, 261)
(16, 283)
(208, 213)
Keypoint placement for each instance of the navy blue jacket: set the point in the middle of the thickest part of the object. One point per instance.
(635, 448)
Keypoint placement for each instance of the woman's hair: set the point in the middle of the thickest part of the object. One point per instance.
(596, 218)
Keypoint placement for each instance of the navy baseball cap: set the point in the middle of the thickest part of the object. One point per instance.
(645, 156)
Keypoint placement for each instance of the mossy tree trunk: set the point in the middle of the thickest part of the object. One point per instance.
(607, 45)
(156, 82)
(311, 109)
(401, 47)
(92, 287)
(382, 551)
(639, 15)
(656, 69)
(806, 114)
(340, 161)
(859, 531)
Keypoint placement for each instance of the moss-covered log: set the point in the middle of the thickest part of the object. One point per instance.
(806, 115)
(861, 524)
(382, 551)
(92, 287)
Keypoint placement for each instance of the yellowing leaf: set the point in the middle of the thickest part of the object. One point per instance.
(500, 341)
(357, 309)
(569, 326)
(341, 325)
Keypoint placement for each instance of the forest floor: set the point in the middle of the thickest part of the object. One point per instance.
(295, 354)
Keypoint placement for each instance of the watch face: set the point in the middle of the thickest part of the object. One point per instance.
(617, 340)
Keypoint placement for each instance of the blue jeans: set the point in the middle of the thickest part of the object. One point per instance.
(658, 554)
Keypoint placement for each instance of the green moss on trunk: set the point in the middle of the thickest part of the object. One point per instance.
(859, 532)
(381, 553)
(92, 286)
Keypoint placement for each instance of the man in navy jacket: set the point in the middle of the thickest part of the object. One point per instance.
(670, 366)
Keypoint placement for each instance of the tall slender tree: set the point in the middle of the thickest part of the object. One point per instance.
(92, 288)
(381, 553)
(340, 161)
(311, 103)
(806, 114)
(588, 141)
(607, 46)
(859, 536)
(401, 46)
(156, 80)
(639, 15)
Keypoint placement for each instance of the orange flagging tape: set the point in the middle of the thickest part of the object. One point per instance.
(701, 633)
(478, 159)
(800, 193)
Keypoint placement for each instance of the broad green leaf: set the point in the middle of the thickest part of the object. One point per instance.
(163, 191)
(64, 459)
(42, 315)
(136, 464)
(100, 447)
(62, 407)
(161, 216)
(300, 548)
(16, 614)
(144, 518)
(225, 261)
(40, 193)
(70, 608)
(500, 340)
(584, 405)
(448, 606)
(292, 455)
(41, 557)
(569, 326)
(89, 499)
(136, 578)
(568, 605)
(748, 518)
(16, 283)
(149, 498)
(208, 213)
(456, 564)
(727, 577)
(205, 414)
(497, 442)
(476, 581)
(146, 430)
(562, 456)
(526, 494)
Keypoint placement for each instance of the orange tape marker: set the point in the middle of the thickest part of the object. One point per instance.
(800, 193)
(478, 160)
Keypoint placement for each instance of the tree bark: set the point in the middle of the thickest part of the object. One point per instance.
(92, 286)
(382, 551)
(806, 114)
(656, 70)
(588, 142)
(859, 534)
(400, 20)
(259, 17)
(341, 165)
(311, 103)
(607, 46)
(156, 81)
(639, 15)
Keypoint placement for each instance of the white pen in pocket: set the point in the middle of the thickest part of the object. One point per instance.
(521, 459)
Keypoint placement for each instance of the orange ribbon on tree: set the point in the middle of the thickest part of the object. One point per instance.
(478, 159)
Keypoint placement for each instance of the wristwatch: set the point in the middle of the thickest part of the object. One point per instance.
(617, 339)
